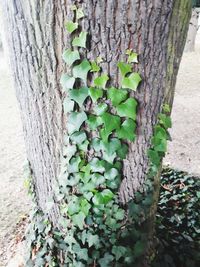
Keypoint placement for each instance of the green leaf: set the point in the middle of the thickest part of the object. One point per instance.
(80, 41)
(69, 151)
(96, 165)
(79, 95)
(119, 215)
(68, 105)
(73, 206)
(111, 174)
(127, 109)
(94, 121)
(85, 206)
(154, 157)
(106, 260)
(132, 81)
(139, 248)
(127, 130)
(117, 96)
(112, 146)
(79, 13)
(159, 144)
(124, 68)
(75, 120)
(119, 252)
(95, 93)
(70, 56)
(165, 120)
(81, 70)
(67, 82)
(78, 219)
(132, 57)
(123, 151)
(78, 137)
(160, 132)
(71, 26)
(95, 67)
(74, 164)
(82, 254)
(101, 81)
(103, 197)
(111, 122)
(100, 109)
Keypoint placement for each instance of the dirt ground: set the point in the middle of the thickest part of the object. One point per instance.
(184, 150)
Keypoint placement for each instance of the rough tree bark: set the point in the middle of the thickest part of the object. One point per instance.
(156, 30)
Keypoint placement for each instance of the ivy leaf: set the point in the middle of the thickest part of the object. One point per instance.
(111, 122)
(117, 96)
(132, 81)
(132, 56)
(71, 26)
(101, 108)
(119, 215)
(79, 13)
(124, 68)
(165, 120)
(80, 41)
(75, 120)
(111, 174)
(79, 95)
(94, 67)
(96, 165)
(139, 248)
(70, 56)
(74, 164)
(106, 260)
(127, 130)
(119, 251)
(67, 81)
(85, 206)
(112, 146)
(81, 70)
(101, 81)
(94, 121)
(73, 206)
(78, 219)
(127, 109)
(93, 240)
(68, 105)
(102, 198)
(122, 152)
(78, 137)
(69, 151)
(154, 157)
(159, 144)
(95, 93)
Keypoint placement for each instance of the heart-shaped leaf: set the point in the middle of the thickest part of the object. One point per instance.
(71, 26)
(81, 70)
(95, 93)
(94, 67)
(127, 130)
(68, 105)
(78, 219)
(94, 121)
(67, 82)
(101, 81)
(116, 96)
(112, 146)
(79, 95)
(122, 152)
(79, 13)
(111, 122)
(132, 56)
(124, 68)
(78, 137)
(73, 164)
(70, 56)
(132, 81)
(101, 108)
(75, 120)
(127, 108)
(80, 41)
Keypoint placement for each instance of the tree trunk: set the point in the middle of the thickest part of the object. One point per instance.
(156, 30)
(192, 32)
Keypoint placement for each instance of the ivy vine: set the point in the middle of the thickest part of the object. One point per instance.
(94, 229)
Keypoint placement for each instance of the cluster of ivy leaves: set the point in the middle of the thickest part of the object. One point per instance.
(94, 229)
(178, 220)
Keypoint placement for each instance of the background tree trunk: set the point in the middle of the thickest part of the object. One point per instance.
(192, 32)
(156, 30)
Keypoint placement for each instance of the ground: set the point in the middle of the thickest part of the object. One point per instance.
(184, 150)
